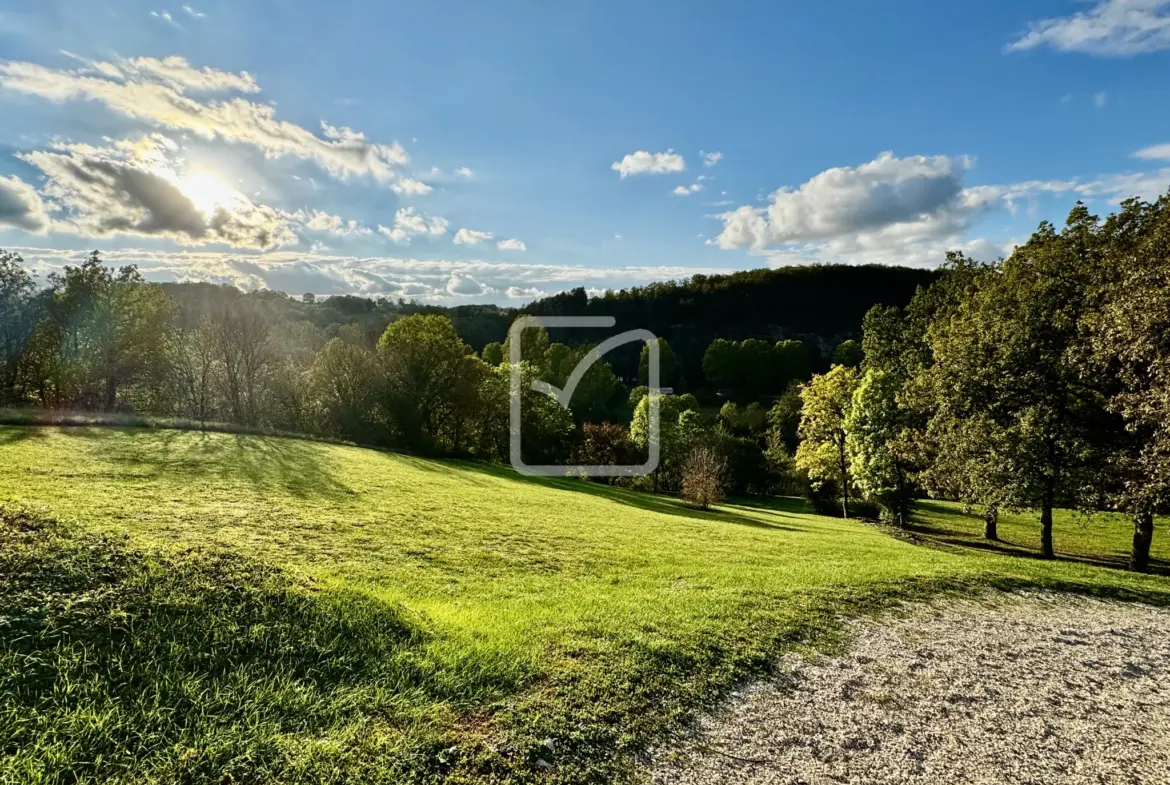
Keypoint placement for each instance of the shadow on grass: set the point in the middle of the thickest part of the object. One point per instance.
(300, 468)
(958, 541)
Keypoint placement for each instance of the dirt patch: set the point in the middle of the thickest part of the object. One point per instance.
(1021, 689)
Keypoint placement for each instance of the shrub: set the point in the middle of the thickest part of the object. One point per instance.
(703, 476)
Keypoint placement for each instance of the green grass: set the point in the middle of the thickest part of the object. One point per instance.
(509, 611)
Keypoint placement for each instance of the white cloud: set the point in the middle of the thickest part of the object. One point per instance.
(464, 285)
(165, 16)
(471, 237)
(160, 95)
(1112, 28)
(463, 171)
(643, 162)
(710, 159)
(845, 200)
(512, 244)
(319, 221)
(408, 223)
(1100, 99)
(178, 74)
(524, 293)
(193, 13)
(21, 206)
(296, 271)
(1158, 152)
(408, 187)
(684, 190)
(126, 189)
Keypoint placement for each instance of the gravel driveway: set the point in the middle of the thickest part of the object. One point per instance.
(1025, 689)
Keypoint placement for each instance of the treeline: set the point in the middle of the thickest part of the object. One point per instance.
(1039, 381)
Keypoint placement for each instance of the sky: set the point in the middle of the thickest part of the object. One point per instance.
(458, 152)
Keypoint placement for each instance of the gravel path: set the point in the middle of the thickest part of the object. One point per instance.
(1025, 689)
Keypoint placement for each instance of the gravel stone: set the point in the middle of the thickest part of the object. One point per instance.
(1024, 688)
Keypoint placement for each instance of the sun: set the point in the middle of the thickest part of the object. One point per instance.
(206, 191)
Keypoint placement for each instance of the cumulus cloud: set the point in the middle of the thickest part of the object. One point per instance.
(1112, 28)
(710, 159)
(408, 223)
(900, 211)
(21, 206)
(121, 190)
(512, 244)
(471, 237)
(643, 162)
(685, 190)
(464, 285)
(162, 95)
(408, 187)
(193, 13)
(463, 171)
(319, 221)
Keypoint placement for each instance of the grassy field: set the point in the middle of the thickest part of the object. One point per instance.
(356, 616)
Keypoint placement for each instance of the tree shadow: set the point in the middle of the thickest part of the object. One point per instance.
(266, 463)
(657, 503)
(16, 434)
(931, 534)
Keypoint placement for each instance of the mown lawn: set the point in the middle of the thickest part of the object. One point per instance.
(533, 629)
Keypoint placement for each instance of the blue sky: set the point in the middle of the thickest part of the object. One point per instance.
(496, 151)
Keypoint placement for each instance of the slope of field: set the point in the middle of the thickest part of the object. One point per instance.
(538, 629)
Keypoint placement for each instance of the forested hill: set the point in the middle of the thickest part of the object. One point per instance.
(823, 304)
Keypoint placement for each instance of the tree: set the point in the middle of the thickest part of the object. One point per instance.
(423, 361)
(533, 345)
(192, 359)
(784, 419)
(343, 384)
(493, 354)
(603, 444)
(676, 431)
(849, 353)
(1010, 401)
(876, 441)
(703, 476)
(244, 352)
(824, 452)
(794, 363)
(112, 327)
(667, 365)
(1128, 344)
(19, 314)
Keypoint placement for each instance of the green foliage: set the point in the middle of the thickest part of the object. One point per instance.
(849, 353)
(754, 367)
(667, 365)
(824, 451)
(533, 345)
(879, 452)
(493, 354)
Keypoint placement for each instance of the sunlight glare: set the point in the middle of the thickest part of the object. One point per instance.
(206, 191)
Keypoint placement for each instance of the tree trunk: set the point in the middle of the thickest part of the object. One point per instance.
(1143, 535)
(111, 393)
(1046, 550)
(656, 479)
(844, 491)
(991, 522)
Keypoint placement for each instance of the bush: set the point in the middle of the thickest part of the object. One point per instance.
(703, 476)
